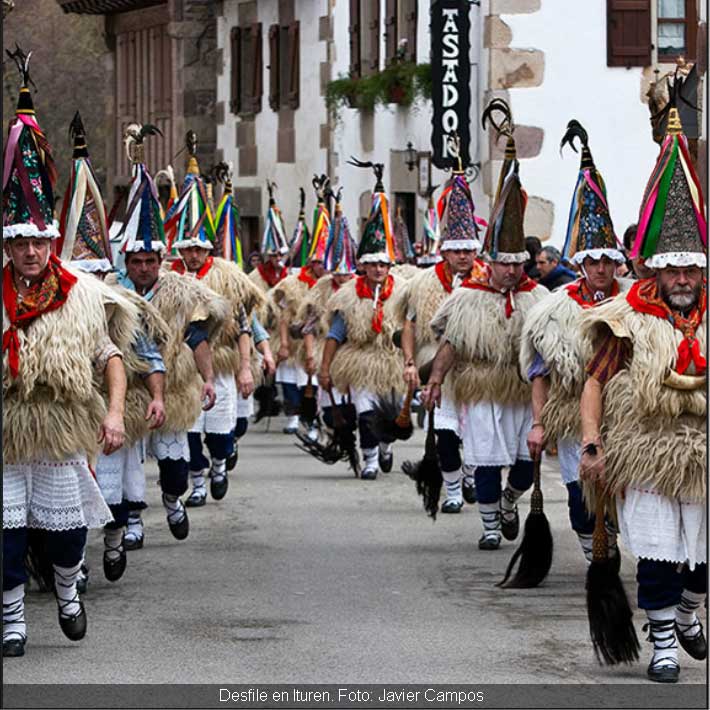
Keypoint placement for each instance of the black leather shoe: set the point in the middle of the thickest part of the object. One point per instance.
(468, 488)
(232, 460)
(181, 529)
(663, 674)
(488, 543)
(369, 474)
(82, 582)
(385, 461)
(452, 506)
(510, 523)
(114, 567)
(74, 627)
(133, 543)
(219, 486)
(197, 498)
(12, 648)
(695, 646)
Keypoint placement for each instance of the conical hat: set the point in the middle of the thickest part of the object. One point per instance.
(274, 239)
(84, 231)
(341, 249)
(142, 229)
(430, 238)
(321, 220)
(189, 222)
(404, 252)
(301, 240)
(590, 232)
(672, 227)
(226, 219)
(505, 237)
(29, 174)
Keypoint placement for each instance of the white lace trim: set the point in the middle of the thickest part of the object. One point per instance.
(596, 254)
(91, 266)
(428, 259)
(453, 244)
(137, 246)
(185, 243)
(380, 258)
(677, 258)
(30, 230)
(504, 257)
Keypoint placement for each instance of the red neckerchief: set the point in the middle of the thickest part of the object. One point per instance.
(443, 271)
(307, 277)
(579, 291)
(270, 275)
(48, 294)
(180, 267)
(363, 290)
(482, 284)
(643, 297)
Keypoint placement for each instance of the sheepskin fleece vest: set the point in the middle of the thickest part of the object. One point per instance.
(367, 360)
(405, 271)
(231, 283)
(54, 407)
(553, 329)
(486, 343)
(315, 305)
(653, 423)
(285, 299)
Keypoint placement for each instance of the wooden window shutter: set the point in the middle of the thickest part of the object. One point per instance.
(390, 31)
(410, 30)
(236, 84)
(274, 67)
(628, 33)
(355, 43)
(374, 33)
(294, 64)
(257, 68)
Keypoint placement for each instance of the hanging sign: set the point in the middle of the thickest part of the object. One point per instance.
(451, 79)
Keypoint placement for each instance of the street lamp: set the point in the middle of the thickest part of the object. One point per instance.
(410, 156)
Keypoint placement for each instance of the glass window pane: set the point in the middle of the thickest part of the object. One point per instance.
(671, 8)
(671, 38)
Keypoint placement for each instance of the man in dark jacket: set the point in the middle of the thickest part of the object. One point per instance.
(552, 272)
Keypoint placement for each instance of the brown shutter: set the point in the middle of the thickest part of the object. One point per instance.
(274, 67)
(257, 68)
(236, 87)
(390, 31)
(628, 33)
(410, 30)
(374, 32)
(355, 43)
(294, 62)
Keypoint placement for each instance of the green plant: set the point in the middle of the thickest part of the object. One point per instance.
(401, 83)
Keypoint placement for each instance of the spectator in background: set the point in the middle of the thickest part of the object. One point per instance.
(552, 272)
(533, 246)
(637, 267)
(254, 260)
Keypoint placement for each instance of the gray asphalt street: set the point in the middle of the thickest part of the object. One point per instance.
(305, 574)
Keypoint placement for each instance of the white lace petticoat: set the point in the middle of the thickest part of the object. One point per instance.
(52, 495)
(121, 475)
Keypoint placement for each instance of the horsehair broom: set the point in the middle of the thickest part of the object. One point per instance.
(390, 422)
(535, 550)
(427, 472)
(610, 617)
(344, 432)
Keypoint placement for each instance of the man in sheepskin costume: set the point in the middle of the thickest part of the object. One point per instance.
(553, 351)
(190, 230)
(359, 355)
(479, 327)
(64, 337)
(421, 299)
(644, 442)
(194, 314)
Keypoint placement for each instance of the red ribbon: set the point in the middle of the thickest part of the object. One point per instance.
(180, 268)
(524, 285)
(580, 292)
(443, 271)
(10, 338)
(307, 277)
(363, 290)
(270, 275)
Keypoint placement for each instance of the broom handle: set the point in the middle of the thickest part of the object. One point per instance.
(404, 418)
(309, 388)
(600, 542)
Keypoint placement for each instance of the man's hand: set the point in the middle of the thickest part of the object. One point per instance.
(310, 366)
(283, 353)
(245, 381)
(268, 364)
(591, 465)
(536, 441)
(112, 433)
(156, 412)
(431, 395)
(411, 376)
(208, 396)
(324, 380)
